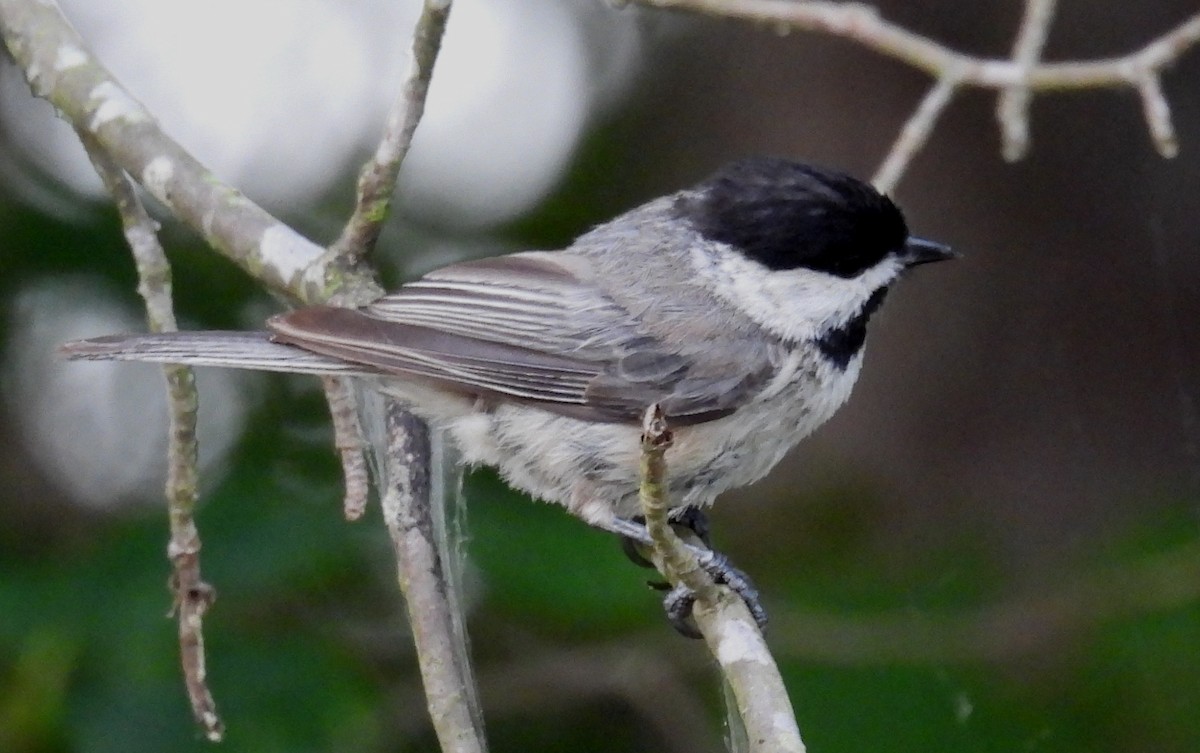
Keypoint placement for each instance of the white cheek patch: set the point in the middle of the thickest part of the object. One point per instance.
(796, 304)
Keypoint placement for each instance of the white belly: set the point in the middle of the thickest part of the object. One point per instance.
(593, 468)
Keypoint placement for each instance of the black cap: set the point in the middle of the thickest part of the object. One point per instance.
(787, 215)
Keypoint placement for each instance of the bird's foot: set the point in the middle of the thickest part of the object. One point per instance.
(680, 600)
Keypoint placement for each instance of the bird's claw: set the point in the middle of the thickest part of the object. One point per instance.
(678, 604)
(680, 600)
(693, 519)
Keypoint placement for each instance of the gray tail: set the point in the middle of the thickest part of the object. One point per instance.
(234, 350)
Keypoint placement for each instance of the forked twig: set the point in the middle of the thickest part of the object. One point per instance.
(376, 187)
(1016, 78)
(1012, 106)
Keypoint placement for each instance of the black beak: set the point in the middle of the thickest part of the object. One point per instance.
(920, 251)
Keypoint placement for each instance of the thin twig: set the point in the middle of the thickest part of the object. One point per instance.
(679, 562)
(915, 133)
(408, 514)
(348, 440)
(377, 181)
(191, 596)
(1012, 106)
(732, 635)
(1158, 115)
(61, 69)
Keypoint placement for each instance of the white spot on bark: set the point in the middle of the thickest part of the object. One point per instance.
(739, 642)
(782, 721)
(141, 235)
(114, 103)
(286, 250)
(208, 222)
(156, 175)
(69, 57)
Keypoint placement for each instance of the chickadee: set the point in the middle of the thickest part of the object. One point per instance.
(739, 306)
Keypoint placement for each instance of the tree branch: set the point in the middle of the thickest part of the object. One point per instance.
(1158, 114)
(408, 514)
(348, 440)
(1012, 107)
(1016, 77)
(376, 185)
(377, 181)
(862, 23)
(915, 133)
(191, 596)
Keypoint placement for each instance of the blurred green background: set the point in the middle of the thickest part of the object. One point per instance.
(994, 547)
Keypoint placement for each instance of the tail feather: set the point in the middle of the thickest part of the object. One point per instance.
(235, 350)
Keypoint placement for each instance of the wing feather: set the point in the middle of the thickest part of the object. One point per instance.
(531, 327)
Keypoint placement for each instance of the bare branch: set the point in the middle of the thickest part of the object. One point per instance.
(915, 133)
(862, 23)
(1012, 107)
(1016, 78)
(191, 596)
(377, 181)
(407, 512)
(1158, 115)
(60, 68)
(348, 439)
(728, 628)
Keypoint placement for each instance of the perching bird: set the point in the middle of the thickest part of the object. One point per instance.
(739, 306)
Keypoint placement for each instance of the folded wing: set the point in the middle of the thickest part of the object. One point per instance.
(529, 327)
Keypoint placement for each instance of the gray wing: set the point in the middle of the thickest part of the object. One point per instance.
(530, 327)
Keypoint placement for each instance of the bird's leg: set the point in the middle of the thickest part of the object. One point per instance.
(631, 547)
(693, 519)
(685, 519)
(721, 570)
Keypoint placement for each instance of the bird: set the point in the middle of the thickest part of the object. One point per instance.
(739, 306)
